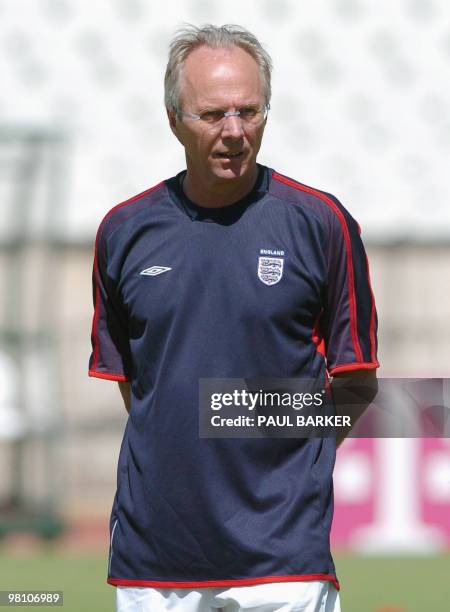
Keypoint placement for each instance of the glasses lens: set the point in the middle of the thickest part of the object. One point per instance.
(212, 117)
(253, 115)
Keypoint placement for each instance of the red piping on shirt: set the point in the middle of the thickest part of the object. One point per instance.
(158, 584)
(349, 367)
(372, 318)
(96, 314)
(108, 376)
(97, 291)
(351, 288)
(317, 338)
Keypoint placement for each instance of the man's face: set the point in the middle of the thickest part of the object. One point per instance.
(227, 80)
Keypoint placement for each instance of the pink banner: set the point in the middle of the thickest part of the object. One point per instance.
(392, 495)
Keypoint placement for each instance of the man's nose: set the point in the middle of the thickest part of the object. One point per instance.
(232, 127)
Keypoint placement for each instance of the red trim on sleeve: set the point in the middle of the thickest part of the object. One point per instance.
(373, 355)
(351, 282)
(108, 376)
(350, 367)
(94, 333)
(373, 350)
(171, 584)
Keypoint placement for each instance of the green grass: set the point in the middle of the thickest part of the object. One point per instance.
(411, 584)
(81, 578)
(369, 584)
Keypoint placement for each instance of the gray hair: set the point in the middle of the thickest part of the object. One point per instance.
(190, 37)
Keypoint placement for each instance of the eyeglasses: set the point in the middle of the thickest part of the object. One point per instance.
(250, 115)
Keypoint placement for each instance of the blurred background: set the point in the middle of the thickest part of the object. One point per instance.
(360, 92)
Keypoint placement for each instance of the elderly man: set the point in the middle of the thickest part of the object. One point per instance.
(226, 270)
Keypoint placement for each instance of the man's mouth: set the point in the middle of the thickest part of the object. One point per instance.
(229, 155)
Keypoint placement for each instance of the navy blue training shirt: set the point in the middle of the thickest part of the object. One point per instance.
(275, 285)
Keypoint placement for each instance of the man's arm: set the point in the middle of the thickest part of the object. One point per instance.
(353, 392)
(125, 390)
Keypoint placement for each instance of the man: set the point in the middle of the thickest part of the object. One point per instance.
(182, 292)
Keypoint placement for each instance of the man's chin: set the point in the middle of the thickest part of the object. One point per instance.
(229, 169)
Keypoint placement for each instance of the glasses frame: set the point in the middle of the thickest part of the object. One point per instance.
(226, 114)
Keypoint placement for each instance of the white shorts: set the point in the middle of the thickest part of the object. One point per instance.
(310, 596)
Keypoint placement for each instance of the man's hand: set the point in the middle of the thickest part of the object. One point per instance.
(353, 392)
(125, 390)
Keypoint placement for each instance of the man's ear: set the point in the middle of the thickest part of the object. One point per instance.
(173, 122)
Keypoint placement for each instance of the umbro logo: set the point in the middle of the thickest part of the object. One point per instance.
(154, 271)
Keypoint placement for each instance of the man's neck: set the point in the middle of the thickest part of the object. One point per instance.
(218, 194)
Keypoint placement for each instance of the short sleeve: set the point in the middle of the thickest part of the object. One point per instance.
(110, 357)
(349, 321)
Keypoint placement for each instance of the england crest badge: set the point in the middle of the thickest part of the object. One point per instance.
(270, 269)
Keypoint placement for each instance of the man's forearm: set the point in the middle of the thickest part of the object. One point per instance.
(125, 390)
(353, 392)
